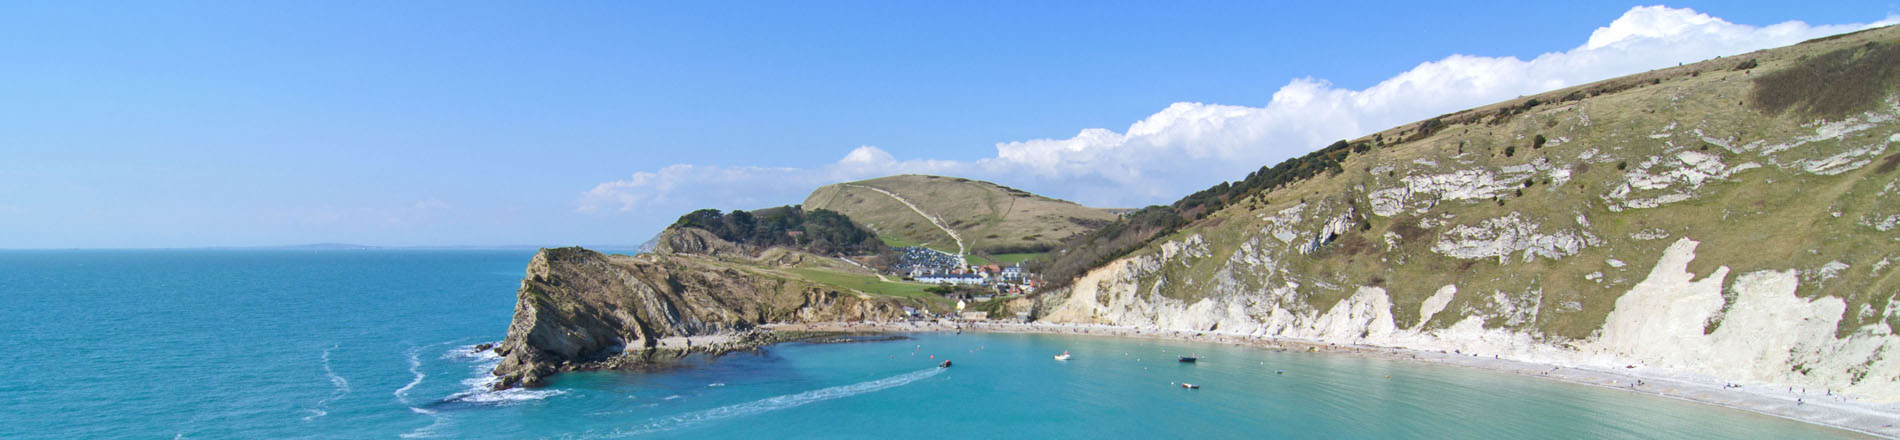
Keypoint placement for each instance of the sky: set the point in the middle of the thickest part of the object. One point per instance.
(188, 124)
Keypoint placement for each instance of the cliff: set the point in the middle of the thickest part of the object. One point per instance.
(1732, 218)
(578, 309)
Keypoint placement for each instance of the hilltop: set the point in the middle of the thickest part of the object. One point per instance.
(939, 212)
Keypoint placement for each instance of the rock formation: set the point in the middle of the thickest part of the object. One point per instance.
(579, 309)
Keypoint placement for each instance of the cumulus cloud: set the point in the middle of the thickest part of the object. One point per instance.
(1190, 145)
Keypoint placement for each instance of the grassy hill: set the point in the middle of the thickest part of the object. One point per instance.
(996, 222)
(1733, 217)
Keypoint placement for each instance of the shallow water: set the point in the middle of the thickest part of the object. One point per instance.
(373, 344)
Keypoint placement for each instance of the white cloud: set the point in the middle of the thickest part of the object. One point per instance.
(1190, 145)
(711, 186)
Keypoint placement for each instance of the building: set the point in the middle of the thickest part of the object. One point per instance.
(1013, 272)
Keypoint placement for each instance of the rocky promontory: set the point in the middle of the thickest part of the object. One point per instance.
(579, 309)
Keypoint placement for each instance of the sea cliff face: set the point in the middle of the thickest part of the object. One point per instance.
(1671, 225)
(578, 309)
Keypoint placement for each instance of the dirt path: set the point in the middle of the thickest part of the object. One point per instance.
(933, 219)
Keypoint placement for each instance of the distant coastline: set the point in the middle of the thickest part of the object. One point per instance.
(1875, 419)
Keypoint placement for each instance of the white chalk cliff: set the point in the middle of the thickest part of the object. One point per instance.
(1671, 222)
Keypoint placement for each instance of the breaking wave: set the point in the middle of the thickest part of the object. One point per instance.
(481, 386)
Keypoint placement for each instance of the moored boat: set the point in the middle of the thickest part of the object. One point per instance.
(1063, 357)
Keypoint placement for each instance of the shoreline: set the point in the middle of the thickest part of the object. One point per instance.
(1820, 409)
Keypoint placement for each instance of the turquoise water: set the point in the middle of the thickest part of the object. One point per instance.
(372, 344)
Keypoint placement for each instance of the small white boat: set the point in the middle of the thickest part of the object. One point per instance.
(1063, 357)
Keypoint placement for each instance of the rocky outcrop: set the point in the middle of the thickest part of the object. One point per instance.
(693, 241)
(578, 309)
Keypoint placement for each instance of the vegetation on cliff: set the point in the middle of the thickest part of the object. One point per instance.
(818, 231)
(1732, 217)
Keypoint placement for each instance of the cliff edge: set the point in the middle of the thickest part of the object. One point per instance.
(583, 310)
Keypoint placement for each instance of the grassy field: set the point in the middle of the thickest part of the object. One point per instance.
(870, 284)
(895, 241)
(989, 217)
(1002, 259)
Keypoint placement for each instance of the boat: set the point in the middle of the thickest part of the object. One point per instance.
(945, 364)
(1190, 386)
(1189, 359)
(1063, 357)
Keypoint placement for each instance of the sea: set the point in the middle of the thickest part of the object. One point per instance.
(363, 344)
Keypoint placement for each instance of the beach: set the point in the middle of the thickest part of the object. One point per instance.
(1818, 407)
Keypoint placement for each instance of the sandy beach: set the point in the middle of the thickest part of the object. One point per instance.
(1818, 407)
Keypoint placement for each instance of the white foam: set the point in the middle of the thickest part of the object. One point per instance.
(776, 403)
(426, 431)
(468, 353)
(481, 388)
(342, 387)
(415, 368)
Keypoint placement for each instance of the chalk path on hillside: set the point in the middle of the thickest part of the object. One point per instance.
(933, 219)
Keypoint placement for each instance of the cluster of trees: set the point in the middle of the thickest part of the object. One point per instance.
(1086, 251)
(818, 231)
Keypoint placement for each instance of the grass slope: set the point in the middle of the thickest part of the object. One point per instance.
(1581, 146)
(991, 218)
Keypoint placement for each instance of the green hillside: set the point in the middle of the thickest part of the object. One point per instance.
(1734, 217)
(990, 219)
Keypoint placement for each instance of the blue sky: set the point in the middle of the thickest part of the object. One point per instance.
(471, 123)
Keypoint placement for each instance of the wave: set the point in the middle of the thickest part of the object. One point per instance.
(481, 386)
(436, 421)
(468, 353)
(776, 403)
(341, 387)
(415, 369)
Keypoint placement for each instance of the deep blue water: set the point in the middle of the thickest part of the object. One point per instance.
(372, 344)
